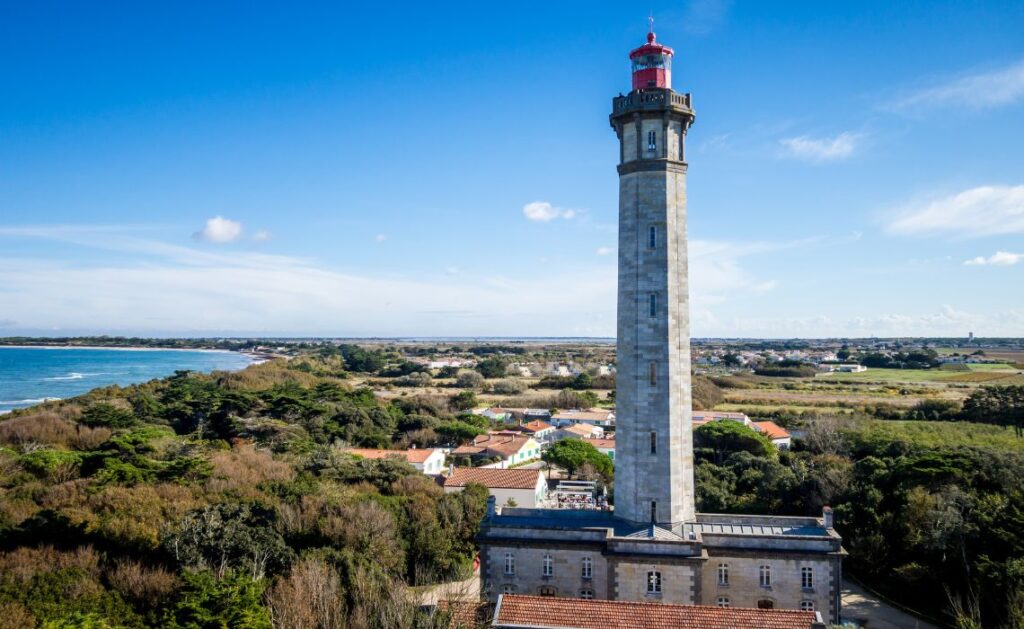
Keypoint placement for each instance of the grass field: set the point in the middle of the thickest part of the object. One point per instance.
(937, 434)
(977, 373)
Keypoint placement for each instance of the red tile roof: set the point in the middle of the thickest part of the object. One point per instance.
(416, 455)
(574, 613)
(493, 478)
(772, 430)
(536, 426)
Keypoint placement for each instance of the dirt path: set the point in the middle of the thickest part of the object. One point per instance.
(868, 611)
(468, 590)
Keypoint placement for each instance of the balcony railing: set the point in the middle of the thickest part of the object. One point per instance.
(650, 99)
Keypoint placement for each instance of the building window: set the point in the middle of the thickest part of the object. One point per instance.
(807, 606)
(654, 582)
(765, 603)
(547, 590)
(509, 588)
(587, 594)
(510, 563)
(652, 237)
(765, 576)
(723, 601)
(654, 442)
(807, 578)
(652, 305)
(723, 574)
(652, 373)
(587, 570)
(654, 511)
(652, 140)
(549, 566)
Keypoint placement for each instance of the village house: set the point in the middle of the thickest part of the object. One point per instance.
(604, 446)
(539, 430)
(426, 460)
(511, 448)
(593, 416)
(525, 488)
(778, 435)
(577, 431)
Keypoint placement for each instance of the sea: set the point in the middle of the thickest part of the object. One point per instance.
(32, 375)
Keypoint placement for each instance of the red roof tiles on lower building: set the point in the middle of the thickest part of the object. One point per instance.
(572, 613)
(493, 478)
(772, 430)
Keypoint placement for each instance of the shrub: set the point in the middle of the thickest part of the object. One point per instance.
(108, 415)
(310, 597)
(469, 380)
(230, 601)
(508, 386)
(145, 585)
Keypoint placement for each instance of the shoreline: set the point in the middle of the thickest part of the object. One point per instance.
(123, 348)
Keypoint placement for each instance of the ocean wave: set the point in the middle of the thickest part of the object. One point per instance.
(30, 401)
(74, 375)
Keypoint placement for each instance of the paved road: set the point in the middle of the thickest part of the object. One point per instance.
(864, 608)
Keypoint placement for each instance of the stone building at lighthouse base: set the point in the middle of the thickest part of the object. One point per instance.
(723, 560)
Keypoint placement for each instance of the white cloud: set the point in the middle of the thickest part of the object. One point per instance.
(219, 230)
(981, 211)
(159, 288)
(822, 149)
(604, 251)
(544, 212)
(380, 237)
(999, 258)
(982, 90)
(261, 236)
(946, 321)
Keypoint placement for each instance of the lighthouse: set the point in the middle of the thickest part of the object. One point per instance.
(654, 443)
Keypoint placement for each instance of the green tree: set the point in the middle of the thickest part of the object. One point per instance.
(573, 454)
(716, 440)
(206, 602)
(493, 367)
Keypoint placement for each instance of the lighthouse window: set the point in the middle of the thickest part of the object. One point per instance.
(654, 442)
(652, 374)
(652, 237)
(652, 140)
(652, 305)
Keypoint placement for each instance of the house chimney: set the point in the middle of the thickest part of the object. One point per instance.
(491, 506)
(826, 514)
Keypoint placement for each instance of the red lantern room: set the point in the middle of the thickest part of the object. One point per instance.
(652, 65)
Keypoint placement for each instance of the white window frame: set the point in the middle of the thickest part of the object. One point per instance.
(548, 569)
(587, 594)
(807, 606)
(807, 578)
(654, 585)
(587, 568)
(764, 576)
(723, 601)
(508, 588)
(652, 140)
(723, 574)
(510, 563)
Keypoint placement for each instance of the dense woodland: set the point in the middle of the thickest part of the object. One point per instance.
(225, 499)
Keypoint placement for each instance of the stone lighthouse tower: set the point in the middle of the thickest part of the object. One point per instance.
(654, 444)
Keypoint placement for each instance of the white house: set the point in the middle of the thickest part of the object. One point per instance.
(775, 433)
(426, 460)
(578, 431)
(509, 446)
(539, 430)
(592, 416)
(524, 488)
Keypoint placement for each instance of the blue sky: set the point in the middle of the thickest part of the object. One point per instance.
(324, 169)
